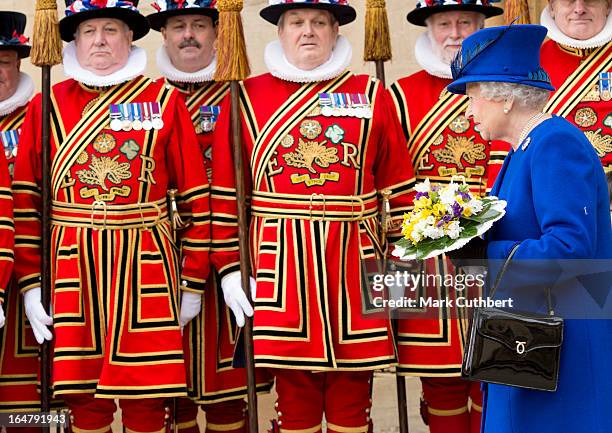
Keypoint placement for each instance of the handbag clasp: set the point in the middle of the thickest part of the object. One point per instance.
(520, 347)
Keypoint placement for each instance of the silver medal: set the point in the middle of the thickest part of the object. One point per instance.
(158, 123)
(115, 125)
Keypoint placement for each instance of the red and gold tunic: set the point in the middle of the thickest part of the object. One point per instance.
(442, 142)
(209, 339)
(18, 349)
(116, 270)
(575, 73)
(314, 208)
(10, 122)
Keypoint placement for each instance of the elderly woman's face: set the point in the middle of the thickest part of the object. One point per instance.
(308, 37)
(580, 19)
(488, 115)
(103, 45)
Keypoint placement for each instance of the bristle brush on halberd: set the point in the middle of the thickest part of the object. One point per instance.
(46, 41)
(232, 60)
(377, 37)
(517, 11)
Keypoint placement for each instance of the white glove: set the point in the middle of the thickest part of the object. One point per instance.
(1, 316)
(191, 305)
(39, 320)
(235, 298)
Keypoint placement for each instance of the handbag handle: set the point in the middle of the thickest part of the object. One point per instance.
(503, 270)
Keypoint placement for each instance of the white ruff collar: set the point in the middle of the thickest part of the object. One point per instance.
(559, 37)
(279, 66)
(23, 94)
(136, 65)
(427, 59)
(169, 71)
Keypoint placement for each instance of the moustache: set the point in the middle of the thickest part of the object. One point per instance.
(190, 43)
(448, 42)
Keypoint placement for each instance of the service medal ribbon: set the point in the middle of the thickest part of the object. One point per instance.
(605, 86)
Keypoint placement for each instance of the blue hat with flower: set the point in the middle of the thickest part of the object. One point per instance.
(170, 8)
(78, 11)
(341, 9)
(12, 26)
(508, 54)
(426, 8)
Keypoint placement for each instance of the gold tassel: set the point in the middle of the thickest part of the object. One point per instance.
(46, 41)
(377, 37)
(385, 215)
(175, 217)
(232, 60)
(515, 9)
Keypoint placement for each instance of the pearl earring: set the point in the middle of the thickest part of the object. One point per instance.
(506, 111)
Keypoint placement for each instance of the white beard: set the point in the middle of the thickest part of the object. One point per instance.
(429, 60)
(440, 52)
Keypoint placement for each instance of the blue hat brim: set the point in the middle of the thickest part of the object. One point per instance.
(420, 15)
(344, 13)
(158, 20)
(135, 21)
(459, 86)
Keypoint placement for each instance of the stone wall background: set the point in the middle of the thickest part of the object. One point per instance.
(259, 33)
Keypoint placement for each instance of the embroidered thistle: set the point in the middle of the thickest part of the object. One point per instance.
(103, 168)
(458, 148)
(310, 152)
(601, 142)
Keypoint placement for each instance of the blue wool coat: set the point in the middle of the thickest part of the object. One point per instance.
(558, 208)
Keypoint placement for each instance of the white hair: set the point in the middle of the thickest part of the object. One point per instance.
(524, 96)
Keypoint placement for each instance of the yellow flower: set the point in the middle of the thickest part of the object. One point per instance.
(407, 230)
(423, 202)
(424, 214)
(438, 209)
(467, 212)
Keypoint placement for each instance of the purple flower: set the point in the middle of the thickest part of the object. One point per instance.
(464, 195)
(421, 194)
(457, 210)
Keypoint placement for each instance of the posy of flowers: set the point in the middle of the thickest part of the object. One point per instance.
(445, 218)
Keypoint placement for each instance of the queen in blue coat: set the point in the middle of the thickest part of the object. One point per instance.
(557, 208)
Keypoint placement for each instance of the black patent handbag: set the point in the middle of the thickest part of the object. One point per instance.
(514, 348)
